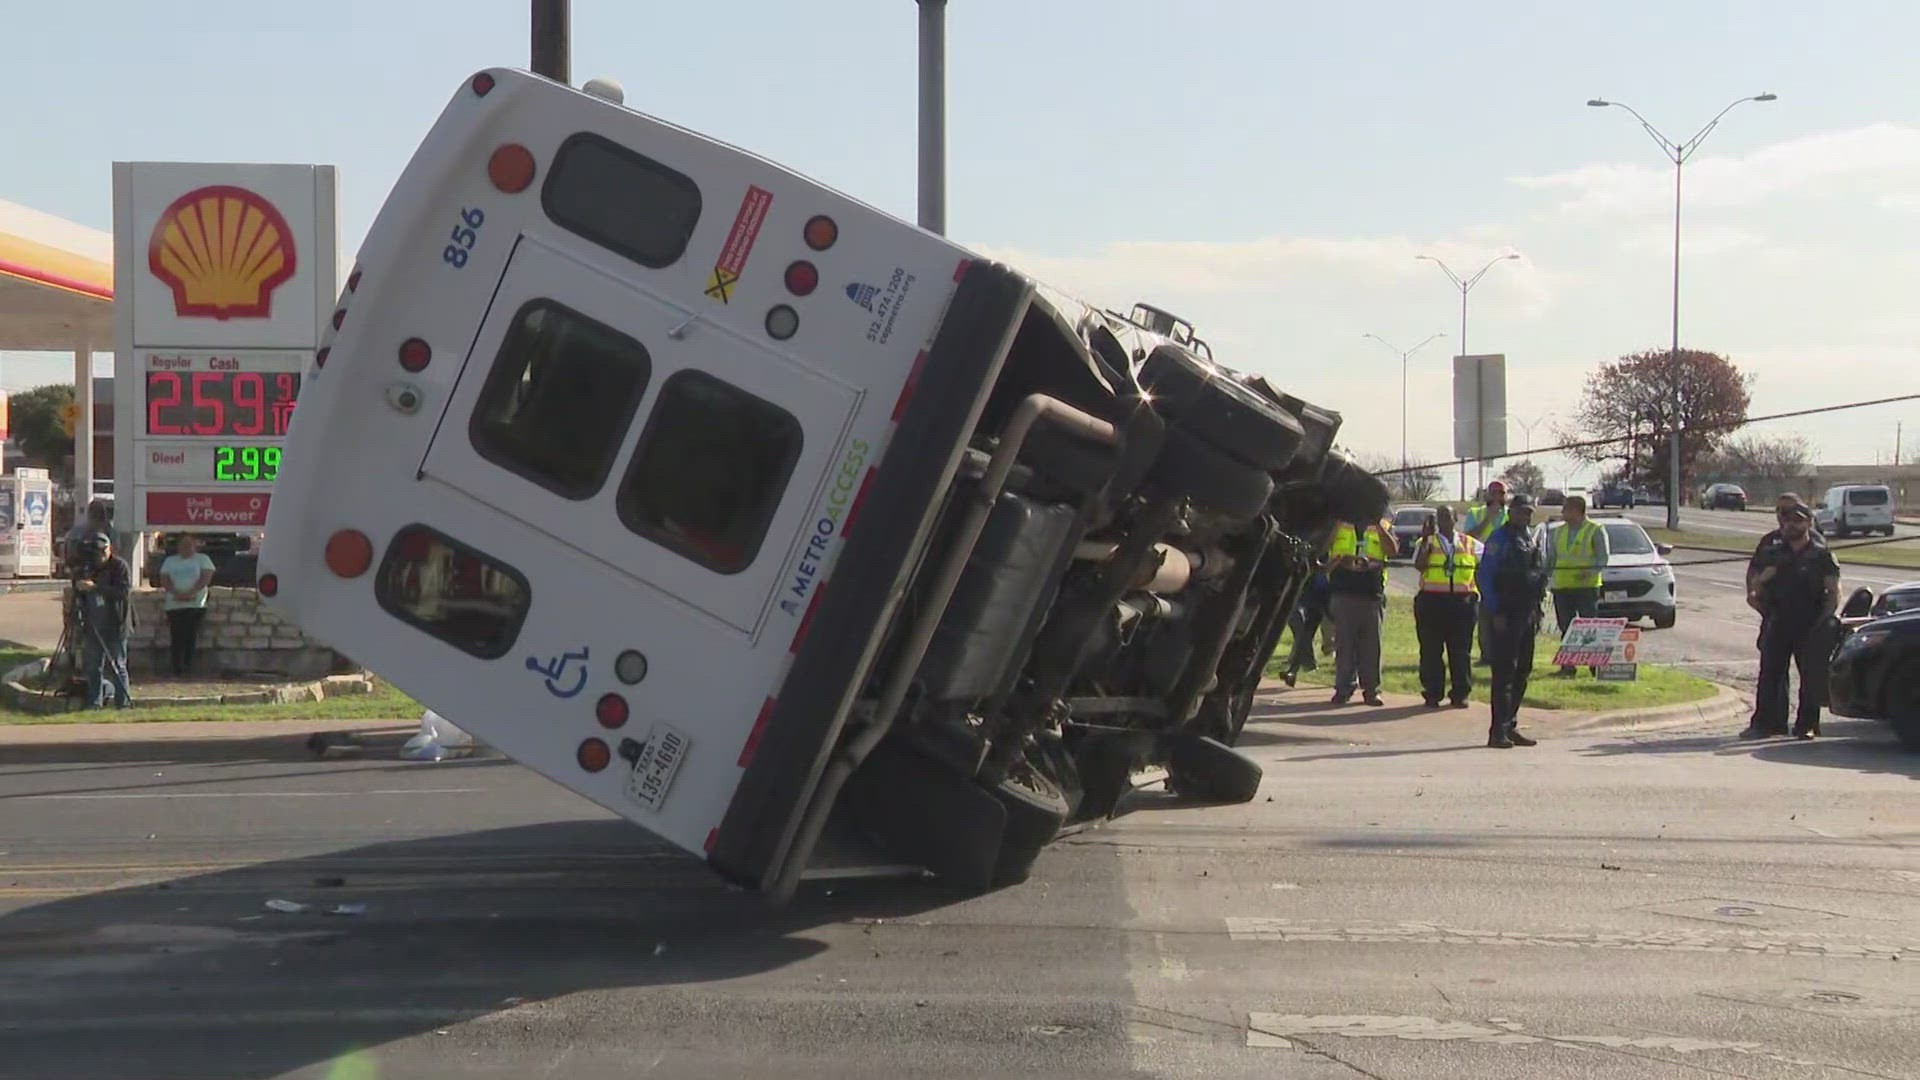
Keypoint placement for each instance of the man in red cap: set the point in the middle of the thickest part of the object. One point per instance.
(1481, 523)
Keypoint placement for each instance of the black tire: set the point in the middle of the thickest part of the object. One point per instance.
(1902, 707)
(1665, 620)
(1841, 532)
(1205, 768)
(1353, 494)
(1035, 811)
(1190, 466)
(1233, 417)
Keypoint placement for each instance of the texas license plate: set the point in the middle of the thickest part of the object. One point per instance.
(1612, 595)
(653, 770)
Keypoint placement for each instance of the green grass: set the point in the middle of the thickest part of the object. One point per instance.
(384, 703)
(1901, 552)
(1400, 673)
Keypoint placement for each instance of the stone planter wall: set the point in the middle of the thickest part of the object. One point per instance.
(239, 635)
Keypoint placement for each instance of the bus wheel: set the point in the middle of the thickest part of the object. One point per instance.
(1213, 480)
(1233, 417)
(924, 811)
(1205, 768)
(1035, 811)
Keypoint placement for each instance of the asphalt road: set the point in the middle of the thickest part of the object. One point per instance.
(1756, 522)
(1408, 905)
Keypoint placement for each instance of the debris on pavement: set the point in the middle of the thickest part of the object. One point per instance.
(289, 907)
(1608, 866)
(438, 740)
(328, 882)
(347, 909)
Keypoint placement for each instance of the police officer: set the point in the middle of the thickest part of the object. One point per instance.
(1444, 610)
(1513, 583)
(1357, 603)
(1575, 557)
(1794, 582)
(1481, 522)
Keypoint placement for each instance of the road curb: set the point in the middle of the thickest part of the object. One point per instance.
(1726, 704)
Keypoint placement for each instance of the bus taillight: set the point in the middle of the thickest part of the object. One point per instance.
(821, 232)
(610, 710)
(414, 354)
(802, 277)
(593, 755)
(320, 358)
(349, 553)
(511, 168)
(269, 584)
(482, 84)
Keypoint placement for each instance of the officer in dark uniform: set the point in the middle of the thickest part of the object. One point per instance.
(1793, 581)
(1513, 584)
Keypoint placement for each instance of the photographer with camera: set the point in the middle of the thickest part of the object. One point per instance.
(103, 587)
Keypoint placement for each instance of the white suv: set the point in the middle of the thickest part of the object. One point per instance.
(1855, 508)
(1638, 581)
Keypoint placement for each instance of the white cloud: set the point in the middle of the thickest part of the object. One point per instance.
(1881, 158)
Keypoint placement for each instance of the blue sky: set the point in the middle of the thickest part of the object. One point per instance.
(1269, 169)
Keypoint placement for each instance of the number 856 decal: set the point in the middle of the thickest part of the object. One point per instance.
(465, 235)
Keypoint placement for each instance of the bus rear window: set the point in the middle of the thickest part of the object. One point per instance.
(471, 601)
(559, 399)
(621, 200)
(710, 470)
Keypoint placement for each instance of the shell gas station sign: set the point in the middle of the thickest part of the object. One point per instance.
(228, 272)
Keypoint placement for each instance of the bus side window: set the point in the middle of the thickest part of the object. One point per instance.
(710, 470)
(559, 399)
(469, 600)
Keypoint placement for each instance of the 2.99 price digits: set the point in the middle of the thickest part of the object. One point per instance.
(246, 463)
(244, 403)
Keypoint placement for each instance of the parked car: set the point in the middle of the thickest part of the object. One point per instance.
(1408, 523)
(1613, 494)
(1723, 497)
(1874, 673)
(1846, 509)
(1553, 497)
(1638, 581)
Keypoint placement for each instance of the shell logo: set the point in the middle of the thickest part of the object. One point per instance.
(223, 250)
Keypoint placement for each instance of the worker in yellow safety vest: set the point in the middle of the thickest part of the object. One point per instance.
(1357, 603)
(1575, 559)
(1445, 609)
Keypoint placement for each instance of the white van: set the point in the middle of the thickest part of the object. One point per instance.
(738, 506)
(1855, 508)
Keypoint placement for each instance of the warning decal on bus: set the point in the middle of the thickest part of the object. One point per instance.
(733, 254)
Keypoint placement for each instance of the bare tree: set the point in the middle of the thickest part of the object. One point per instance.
(1411, 485)
(1524, 475)
(1637, 401)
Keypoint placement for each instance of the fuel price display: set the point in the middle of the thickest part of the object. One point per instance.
(227, 404)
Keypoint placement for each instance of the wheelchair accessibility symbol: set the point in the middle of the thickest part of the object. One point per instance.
(555, 671)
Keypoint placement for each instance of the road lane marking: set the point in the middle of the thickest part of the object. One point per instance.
(1754, 942)
(248, 794)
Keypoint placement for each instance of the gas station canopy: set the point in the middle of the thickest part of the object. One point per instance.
(56, 283)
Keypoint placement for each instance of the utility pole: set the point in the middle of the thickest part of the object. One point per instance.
(933, 116)
(552, 39)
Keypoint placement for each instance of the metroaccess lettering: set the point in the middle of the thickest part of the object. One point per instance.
(832, 519)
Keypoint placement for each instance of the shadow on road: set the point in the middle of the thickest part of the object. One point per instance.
(1844, 743)
(195, 976)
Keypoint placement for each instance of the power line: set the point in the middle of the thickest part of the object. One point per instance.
(1583, 444)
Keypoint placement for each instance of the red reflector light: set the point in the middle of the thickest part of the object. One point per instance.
(593, 755)
(802, 278)
(610, 710)
(349, 553)
(414, 354)
(511, 168)
(482, 84)
(339, 317)
(320, 358)
(821, 232)
(269, 584)
(353, 281)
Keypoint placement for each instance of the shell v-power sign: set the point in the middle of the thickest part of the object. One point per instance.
(223, 273)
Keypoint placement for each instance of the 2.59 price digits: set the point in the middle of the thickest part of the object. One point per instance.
(246, 463)
(246, 403)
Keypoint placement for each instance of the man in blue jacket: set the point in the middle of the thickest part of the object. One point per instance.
(1513, 582)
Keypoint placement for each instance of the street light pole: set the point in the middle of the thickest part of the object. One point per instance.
(551, 39)
(933, 115)
(1404, 354)
(1678, 153)
(1465, 287)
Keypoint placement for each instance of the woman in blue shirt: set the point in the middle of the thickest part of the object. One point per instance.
(185, 575)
